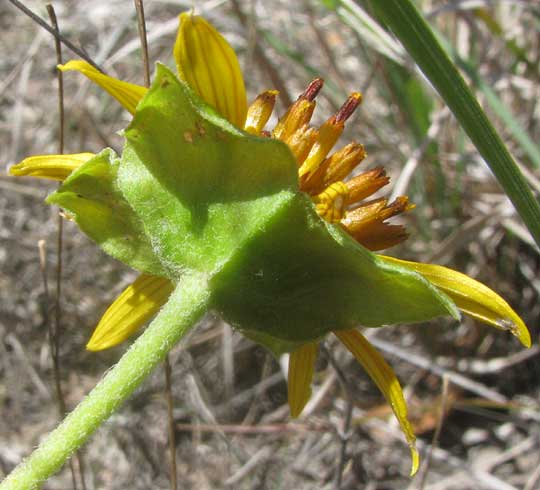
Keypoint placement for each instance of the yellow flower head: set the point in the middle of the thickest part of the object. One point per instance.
(208, 64)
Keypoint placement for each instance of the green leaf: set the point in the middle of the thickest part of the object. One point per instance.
(402, 17)
(99, 208)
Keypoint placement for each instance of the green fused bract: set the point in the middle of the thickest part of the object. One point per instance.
(194, 194)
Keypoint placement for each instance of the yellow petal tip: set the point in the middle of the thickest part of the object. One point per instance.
(186, 14)
(522, 333)
(415, 460)
(301, 369)
(74, 65)
(94, 346)
(472, 297)
(207, 62)
(15, 171)
(103, 338)
(55, 167)
(295, 412)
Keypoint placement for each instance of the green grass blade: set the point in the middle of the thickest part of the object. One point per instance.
(402, 17)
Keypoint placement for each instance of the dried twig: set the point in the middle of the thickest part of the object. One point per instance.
(259, 457)
(436, 434)
(42, 246)
(534, 480)
(345, 433)
(171, 427)
(227, 349)
(498, 364)
(19, 352)
(66, 42)
(55, 330)
(457, 379)
(241, 429)
(141, 23)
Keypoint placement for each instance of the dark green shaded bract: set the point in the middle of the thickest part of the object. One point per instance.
(210, 199)
(303, 278)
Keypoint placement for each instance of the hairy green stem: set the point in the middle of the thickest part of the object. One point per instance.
(186, 305)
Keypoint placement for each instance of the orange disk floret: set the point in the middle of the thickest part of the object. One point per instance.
(299, 113)
(367, 183)
(367, 223)
(329, 133)
(323, 176)
(336, 167)
(260, 111)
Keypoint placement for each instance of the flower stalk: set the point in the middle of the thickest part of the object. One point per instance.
(187, 305)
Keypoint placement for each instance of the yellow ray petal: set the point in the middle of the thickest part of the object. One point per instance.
(472, 297)
(128, 94)
(301, 367)
(130, 311)
(55, 167)
(206, 61)
(385, 379)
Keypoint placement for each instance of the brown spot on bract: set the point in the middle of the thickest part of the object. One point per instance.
(188, 136)
(165, 83)
(200, 128)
